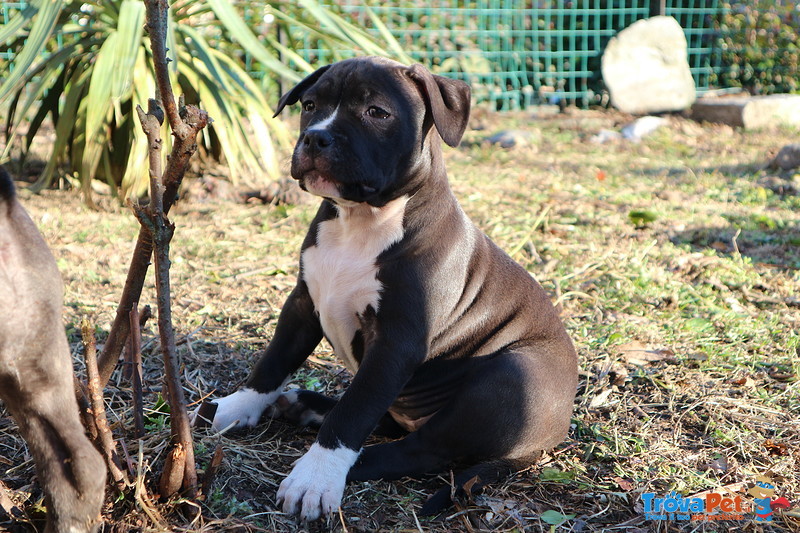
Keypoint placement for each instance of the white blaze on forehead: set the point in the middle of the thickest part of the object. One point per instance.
(316, 484)
(324, 123)
(340, 269)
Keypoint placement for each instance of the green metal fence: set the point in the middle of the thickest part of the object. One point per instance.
(697, 19)
(518, 53)
(7, 9)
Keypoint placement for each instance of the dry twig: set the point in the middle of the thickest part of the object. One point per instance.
(104, 438)
(134, 368)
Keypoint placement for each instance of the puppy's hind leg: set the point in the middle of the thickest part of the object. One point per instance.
(511, 406)
(308, 408)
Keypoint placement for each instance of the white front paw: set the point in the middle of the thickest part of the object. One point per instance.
(315, 486)
(241, 409)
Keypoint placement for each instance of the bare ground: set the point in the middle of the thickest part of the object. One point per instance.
(674, 262)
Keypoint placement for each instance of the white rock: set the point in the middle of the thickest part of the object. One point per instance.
(646, 68)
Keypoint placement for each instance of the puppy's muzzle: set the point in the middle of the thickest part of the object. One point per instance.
(317, 141)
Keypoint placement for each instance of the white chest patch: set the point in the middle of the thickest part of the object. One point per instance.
(340, 269)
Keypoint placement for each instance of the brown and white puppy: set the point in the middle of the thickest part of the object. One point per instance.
(36, 379)
(450, 341)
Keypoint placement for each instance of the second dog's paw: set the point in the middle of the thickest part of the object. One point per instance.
(292, 406)
(241, 409)
(315, 486)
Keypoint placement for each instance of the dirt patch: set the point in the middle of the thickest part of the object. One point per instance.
(686, 324)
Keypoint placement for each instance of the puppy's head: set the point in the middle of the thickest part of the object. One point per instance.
(365, 124)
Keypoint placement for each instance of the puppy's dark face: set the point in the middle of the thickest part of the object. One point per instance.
(362, 130)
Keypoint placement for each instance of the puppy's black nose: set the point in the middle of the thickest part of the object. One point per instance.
(317, 139)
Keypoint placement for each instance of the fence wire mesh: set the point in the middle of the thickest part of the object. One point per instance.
(518, 53)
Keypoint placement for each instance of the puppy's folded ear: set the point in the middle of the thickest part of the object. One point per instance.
(296, 93)
(447, 101)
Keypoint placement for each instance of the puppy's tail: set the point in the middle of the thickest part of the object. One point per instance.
(7, 191)
(471, 481)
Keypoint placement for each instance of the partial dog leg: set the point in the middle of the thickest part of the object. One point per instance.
(36, 385)
(477, 477)
(296, 335)
(303, 407)
(36, 379)
(70, 470)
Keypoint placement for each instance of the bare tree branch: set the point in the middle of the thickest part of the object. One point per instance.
(186, 122)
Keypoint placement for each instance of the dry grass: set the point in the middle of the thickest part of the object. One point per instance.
(686, 328)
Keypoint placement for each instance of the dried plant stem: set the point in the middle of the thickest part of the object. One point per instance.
(185, 122)
(185, 125)
(180, 464)
(213, 467)
(135, 367)
(105, 440)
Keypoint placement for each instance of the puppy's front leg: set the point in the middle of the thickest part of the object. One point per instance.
(296, 335)
(316, 484)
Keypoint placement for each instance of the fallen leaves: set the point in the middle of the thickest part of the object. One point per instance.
(776, 448)
(637, 353)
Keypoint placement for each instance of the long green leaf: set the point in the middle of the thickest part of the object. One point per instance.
(323, 16)
(41, 78)
(205, 54)
(244, 84)
(211, 102)
(43, 25)
(135, 179)
(111, 81)
(258, 119)
(10, 29)
(99, 109)
(130, 28)
(399, 53)
(240, 31)
(290, 54)
(49, 106)
(67, 118)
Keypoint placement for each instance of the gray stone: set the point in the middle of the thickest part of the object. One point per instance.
(750, 112)
(642, 127)
(604, 136)
(788, 158)
(646, 68)
(511, 138)
(635, 131)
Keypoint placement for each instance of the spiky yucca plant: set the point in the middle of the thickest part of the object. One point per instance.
(86, 65)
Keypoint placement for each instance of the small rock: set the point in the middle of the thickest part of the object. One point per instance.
(605, 136)
(642, 127)
(511, 138)
(788, 158)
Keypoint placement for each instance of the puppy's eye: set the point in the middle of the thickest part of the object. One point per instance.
(309, 106)
(377, 112)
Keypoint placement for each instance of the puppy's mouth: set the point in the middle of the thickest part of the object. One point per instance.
(322, 184)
